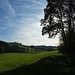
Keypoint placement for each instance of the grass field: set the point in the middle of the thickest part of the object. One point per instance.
(11, 61)
(44, 63)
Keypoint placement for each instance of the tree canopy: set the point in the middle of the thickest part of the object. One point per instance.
(59, 17)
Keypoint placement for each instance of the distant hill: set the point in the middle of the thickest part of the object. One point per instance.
(43, 47)
(7, 47)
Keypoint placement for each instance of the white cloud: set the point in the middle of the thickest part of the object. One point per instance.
(2, 28)
(29, 32)
(39, 2)
(4, 18)
(6, 7)
(28, 29)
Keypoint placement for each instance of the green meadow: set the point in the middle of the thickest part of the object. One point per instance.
(43, 63)
(9, 61)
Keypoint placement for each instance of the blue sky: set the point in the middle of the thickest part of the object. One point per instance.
(20, 22)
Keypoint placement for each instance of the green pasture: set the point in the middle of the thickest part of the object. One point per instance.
(43, 63)
(9, 61)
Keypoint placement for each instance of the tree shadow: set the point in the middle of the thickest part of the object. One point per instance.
(56, 65)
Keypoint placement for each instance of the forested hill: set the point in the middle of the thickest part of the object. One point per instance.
(11, 47)
(7, 47)
(43, 47)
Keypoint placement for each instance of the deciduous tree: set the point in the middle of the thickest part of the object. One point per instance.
(59, 17)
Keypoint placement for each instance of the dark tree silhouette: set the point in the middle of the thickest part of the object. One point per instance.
(59, 17)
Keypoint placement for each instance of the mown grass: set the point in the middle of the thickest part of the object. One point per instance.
(44, 63)
(11, 61)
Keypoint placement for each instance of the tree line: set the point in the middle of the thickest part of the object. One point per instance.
(9, 47)
(6, 47)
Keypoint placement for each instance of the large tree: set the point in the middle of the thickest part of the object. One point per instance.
(59, 17)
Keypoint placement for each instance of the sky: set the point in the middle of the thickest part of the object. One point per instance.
(20, 22)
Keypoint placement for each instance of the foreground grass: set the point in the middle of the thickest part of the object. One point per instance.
(11, 61)
(45, 63)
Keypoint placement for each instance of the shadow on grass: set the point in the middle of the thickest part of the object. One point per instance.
(57, 65)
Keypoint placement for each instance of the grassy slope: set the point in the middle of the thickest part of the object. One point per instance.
(11, 61)
(46, 63)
